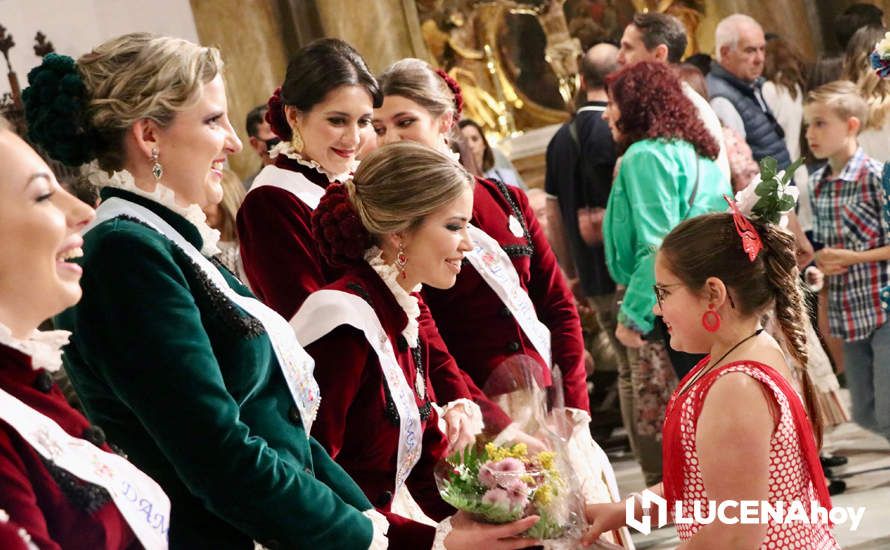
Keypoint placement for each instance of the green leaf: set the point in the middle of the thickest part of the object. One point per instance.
(768, 168)
(789, 172)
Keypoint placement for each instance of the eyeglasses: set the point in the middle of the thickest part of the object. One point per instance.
(659, 292)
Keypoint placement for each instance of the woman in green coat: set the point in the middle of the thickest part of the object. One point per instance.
(204, 387)
(667, 173)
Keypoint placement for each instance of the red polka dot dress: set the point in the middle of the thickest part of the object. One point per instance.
(790, 478)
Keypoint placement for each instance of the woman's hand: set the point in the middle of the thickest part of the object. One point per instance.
(628, 337)
(602, 519)
(459, 431)
(467, 534)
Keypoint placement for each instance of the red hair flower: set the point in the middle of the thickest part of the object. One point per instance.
(275, 116)
(341, 238)
(455, 89)
(751, 243)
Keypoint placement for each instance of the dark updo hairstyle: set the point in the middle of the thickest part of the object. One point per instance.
(653, 106)
(317, 69)
(394, 189)
(709, 246)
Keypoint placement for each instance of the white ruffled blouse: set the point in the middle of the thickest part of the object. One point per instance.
(164, 196)
(44, 348)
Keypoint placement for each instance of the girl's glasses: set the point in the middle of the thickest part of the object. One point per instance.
(660, 292)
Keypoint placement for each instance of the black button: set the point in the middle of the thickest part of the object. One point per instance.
(384, 499)
(505, 312)
(513, 347)
(402, 343)
(95, 435)
(44, 382)
(294, 415)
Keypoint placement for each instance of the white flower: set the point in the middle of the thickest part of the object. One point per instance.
(747, 198)
(883, 47)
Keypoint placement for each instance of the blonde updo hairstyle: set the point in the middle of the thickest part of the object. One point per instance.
(398, 185)
(141, 76)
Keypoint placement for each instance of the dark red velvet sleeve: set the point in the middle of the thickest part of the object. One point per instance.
(449, 381)
(17, 496)
(556, 309)
(278, 250)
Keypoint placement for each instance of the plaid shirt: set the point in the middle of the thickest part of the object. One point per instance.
(848, 213)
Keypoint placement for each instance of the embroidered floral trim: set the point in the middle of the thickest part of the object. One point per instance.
(286, 148)
(390, 273)
(44, 348)
(162, 195)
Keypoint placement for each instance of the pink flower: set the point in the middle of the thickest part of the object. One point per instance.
(511, 495)
(492, 473)
(517, 492)
(496, 497)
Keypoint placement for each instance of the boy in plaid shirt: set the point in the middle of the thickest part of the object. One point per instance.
(848, 217)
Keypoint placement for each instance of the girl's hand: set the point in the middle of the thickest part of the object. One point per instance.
(602, 519)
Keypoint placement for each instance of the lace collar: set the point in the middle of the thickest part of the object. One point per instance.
(44, 348)
(286, 148)
(390, 273)
(164, 196)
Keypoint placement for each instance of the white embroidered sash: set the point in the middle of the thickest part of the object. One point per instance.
(498, 271)
(295, 363)
(325, 310)
(140, 500)
(291, 181)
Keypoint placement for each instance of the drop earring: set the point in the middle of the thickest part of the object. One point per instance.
(711, 319)
(156, 169)
(402, 261)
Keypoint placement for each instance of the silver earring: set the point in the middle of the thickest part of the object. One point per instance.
(156, 170)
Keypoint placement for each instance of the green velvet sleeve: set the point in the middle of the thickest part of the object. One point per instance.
(142, 332)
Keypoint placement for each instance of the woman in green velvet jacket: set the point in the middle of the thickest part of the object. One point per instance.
(202, 386)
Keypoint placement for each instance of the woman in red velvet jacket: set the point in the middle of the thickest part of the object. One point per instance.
(481, 328)
(391, 232)
(41, 493)
(323, 113)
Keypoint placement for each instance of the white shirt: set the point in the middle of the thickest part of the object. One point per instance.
(789, 114)
(712, 123)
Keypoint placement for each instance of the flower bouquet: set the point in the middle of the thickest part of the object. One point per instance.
(523, 470)
(500, 484)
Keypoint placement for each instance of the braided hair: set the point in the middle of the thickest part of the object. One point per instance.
(709, 246)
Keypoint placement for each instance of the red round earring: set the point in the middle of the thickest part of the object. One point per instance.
(711, 319)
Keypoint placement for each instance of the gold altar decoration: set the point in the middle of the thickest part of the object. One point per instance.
(516, 61)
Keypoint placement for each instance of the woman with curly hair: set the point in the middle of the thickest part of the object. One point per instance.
(363, 331)
(667, 173)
